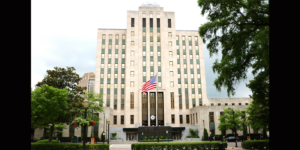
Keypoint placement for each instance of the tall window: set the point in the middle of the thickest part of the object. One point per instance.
(159, 84)
(170, 43)
(132, 84)
(171, 73)
(132, 43)
(132, 63)
(115, 119)
(132, 33)
(131, 119)
(151, 53)
(122, 100)
(171, 63)
(122, 119)
(169, 23)
(173, 118)
(171, 84)
(187, 118)
(132, 22)
(158, 53)
(131, 100)
(132, 53)
(172, 100)
(196, 118)
(211, 119)
(180, 119)
(132, 73)
(102, 55)
(170, 34)
(170, 53)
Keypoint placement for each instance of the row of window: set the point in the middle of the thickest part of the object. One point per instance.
(226, 104)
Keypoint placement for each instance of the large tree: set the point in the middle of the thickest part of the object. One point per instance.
(47, 105)
(258, 117)
(227, 121)
(240, 29)
(66, 78)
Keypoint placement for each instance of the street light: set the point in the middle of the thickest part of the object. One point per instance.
(86, 106)
(168, 135)
(108, 131)
(234, 127)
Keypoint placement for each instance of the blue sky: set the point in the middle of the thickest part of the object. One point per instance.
(64, 33)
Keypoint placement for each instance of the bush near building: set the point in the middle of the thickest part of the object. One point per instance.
(186, 145)
(67, 146)
(255, 144)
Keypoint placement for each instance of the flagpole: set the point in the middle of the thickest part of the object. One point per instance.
(156, 100)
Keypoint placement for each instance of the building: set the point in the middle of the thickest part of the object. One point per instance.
(88, 81)
(150, 45)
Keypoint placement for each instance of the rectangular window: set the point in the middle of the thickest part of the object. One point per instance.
(196, 38)
(246, 103)
(196, 47)
(132, 33)
(122, 119)
(102, 56)
(151, 22)
(159, 84)
(115, 119)
(172, 100)
(183, 38)
(144, 22)
(101, 86)
(226, 104)
(109, 55)
(158, 22)
(151, 74)
(151, 63)
(180, 119)
(101, 75)
(171, 63)
(131, 100)
(169, 23)
(190, 38)
(170, 43)
(123, 75)
(158, 53)
(132, 84)
(173, 118)
(103, 47)
(151, 53)
(108, 75)
(144, 63)
(170, 34)
(132, 43)
(200, 95)
(123, 37)
(187, 118)
(212, 104)
(170, 53)
(232, 104)
(171, 84)
(240, 103)
(132, 22)
(171, 73)
(132, 53)
(131, 119)
(115, 86)
(122, 86)
(196, 118)
(219, 104)
(144, 43)
(132, 73)
(144, 74)
(132, 63)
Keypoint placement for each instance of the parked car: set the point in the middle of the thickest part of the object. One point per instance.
(232, 139)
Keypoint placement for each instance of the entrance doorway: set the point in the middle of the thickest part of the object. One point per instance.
(176, 135)
(131, 136)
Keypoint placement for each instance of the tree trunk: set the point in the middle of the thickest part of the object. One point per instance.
(50, 133)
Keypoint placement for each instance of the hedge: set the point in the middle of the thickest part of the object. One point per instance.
(257, 144)
(193, 136)
(67, 146)
(175, 146)
(47, 141)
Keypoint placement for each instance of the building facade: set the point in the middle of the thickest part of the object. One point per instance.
(88, 81)
(149, 46)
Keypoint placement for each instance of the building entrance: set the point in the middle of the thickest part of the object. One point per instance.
(176, 135)
(131, 136)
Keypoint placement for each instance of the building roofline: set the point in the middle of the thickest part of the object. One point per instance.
(110, 29)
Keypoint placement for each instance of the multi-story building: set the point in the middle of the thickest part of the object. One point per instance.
(88, 81)
(149, 46)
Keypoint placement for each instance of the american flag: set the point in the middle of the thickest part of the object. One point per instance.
(149, 85)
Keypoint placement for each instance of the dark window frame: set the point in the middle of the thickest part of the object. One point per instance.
(132, 22)
(169, 23)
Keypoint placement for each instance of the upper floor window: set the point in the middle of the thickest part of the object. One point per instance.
(110, 36)
(132, 43)
(102, 55)
(170, 53)
(103, 36)
(132, 22)
(170, 43)
(169, 23)
(183, 38)
(170, 34)
(132, 53)
(177, 37)
(123, 37)
(132, 33)
(117, 36)
(132, 63)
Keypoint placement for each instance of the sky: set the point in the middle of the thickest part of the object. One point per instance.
(64, 33)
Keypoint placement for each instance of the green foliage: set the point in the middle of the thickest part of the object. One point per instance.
(258, 116)
(257, 144)
(47, 141)
(113, 134)
(181, 145)
(227, 122)
(102, 137)
(95, 101)
(57, 128)
(193, 136)
(67, 146)
(193, 132)
(205, 134)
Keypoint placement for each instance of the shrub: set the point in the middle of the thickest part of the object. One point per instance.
(102, 137)
(257, 144)
(67, 146)
(186, 145)
(196, 136)
(113, 134)
(205, 134)
(231, 135)
(46, 141)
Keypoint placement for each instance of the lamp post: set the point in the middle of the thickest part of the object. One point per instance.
(86, 106)
(249, 128)
(103, 127)
(168, 135)
(108, 132)
(234, 127)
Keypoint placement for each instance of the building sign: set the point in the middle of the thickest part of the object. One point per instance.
(152, 117)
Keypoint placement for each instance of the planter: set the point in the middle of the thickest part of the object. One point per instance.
(117, 140)
(196, 139)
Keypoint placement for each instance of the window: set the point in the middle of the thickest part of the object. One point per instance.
(116, 75)
(123, 55)
(170, 43)
(212, 104)
(192, 66)
(193, 86)
(183, 47)
(190, 47)
(158, 63)
(193, 96)
(144, 53)
(246, 103)
(178, 75)
(177, 37)
(200, 95)
(151, 21)
(196, 38)
(232, 104)
(171, 84)
(144, 33)
(109, 55)
(184, 56)
(196, 118)
(226, 104)
(177, 47)
(131, 83)
(131, 119)
(197, 56)
(151, 43)
(117, 36)
(144, 74)
(159, 84)
(170, 34)
(172, 100)
(178, 65)
(132, 43)
(180, 119)
(109, 66)
(123, 65)
(132, 22)
(109, 46)
(102, 56)
(159, 73)
(122, 119)
(158, 53)
(123, 37)
(131, 99)
(185, 75)
(171, 63)
(151, 53)
(192, 76)
(158, 43)
(151, 74)
(101, 86)
(132, 33)
(173, 118)
(132, 63)
(240, 103)
(122, 86)
(132, 53)
(178, 57)
(151, 63)
(198, 75)
(117, 47)
(123, 75)
(199, 86)
(198, 66)
(191, 56)
(123, 46)
(132, 73)
(103, 46)
(144, 63)
(170, 53)
(115, 119)
(116, 65)
(185, 86)
(171, 73)
(190, 38)
(219, 104)
(101, 75)
(169, 23)
(187, 118)
(108, 86)
(103, 36)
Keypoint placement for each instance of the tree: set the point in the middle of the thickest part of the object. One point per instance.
(66, 78)
(47, 105)
(227, 122)
(242, 29)
(95, 105)
(57, 128)
(258, 117)
(205, 134)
